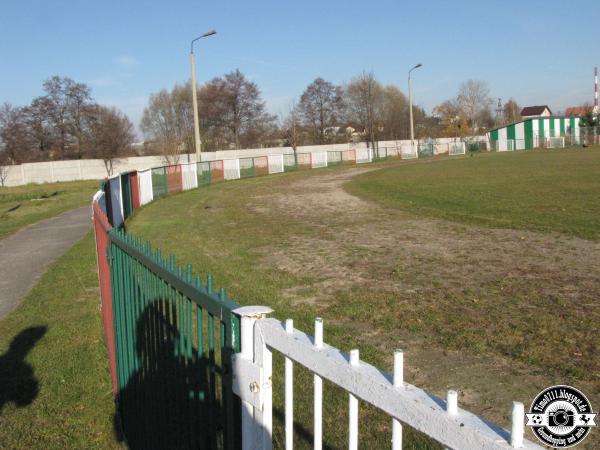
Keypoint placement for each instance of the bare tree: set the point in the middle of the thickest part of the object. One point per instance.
(166, 122)
(511, 112)
(290, 126)
(244, 109)
(4, 167)
(109, 136)
(65, 104)
(395, 113)
(40, 126)
(321, 105)
(79, 106)
(474, 102)
(451, 120)
(14, 136)
(365, 103)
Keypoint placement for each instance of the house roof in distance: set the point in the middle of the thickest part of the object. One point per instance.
(534, 110)
(578, 111)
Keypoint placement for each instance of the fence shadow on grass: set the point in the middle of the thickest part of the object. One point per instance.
(167, 402)
(18, 383)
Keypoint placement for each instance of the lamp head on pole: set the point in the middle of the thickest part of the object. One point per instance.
(416, 67)
(208, 33)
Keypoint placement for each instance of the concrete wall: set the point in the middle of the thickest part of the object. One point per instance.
(93, 169)
(82, 169)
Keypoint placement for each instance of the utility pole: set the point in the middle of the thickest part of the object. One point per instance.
(412, 130)
(197, 141)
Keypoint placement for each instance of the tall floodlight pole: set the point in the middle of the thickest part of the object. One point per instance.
(412, 130)
(198, 143)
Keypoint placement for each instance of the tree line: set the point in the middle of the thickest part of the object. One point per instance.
(67, 123)
(64, 123)
(233, 115)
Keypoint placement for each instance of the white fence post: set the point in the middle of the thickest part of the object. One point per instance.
(289, 394)
(318, 391)
(518, 425)
(353, 408)
(398, 381)
(252, 381)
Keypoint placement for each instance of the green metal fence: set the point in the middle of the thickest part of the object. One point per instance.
(160, 187)
(380, 154)
(247, 167)
(174, 340)
(334, 158)
(290, 163)
(203, 173)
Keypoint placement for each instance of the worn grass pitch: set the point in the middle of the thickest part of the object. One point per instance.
(477, 306)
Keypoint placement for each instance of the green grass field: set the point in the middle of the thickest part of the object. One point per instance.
(54, 385)
(54, 381)
(300, 244)
(476, 306)
(24, 205)
(542, 190)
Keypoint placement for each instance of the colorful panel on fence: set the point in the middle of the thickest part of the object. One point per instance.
(334, 158)
(217, 173)
(126, 195)
(174, 179)
(190, 179)
(380, 154)
(392, 152)
(363, 155)
(349, 156)
(275, 163)
(116, 203)
(231, 169)
(304, 160)
(246, 167)
(135, 190)
(159, 182)
(261, 166)
(203, 173)
(457, 148)
(145, 184)
(289, 162)
(319, 159)
(408, 152)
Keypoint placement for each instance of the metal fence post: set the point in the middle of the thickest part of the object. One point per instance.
(252, 381)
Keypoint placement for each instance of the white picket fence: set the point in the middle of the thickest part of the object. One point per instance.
(441, 420)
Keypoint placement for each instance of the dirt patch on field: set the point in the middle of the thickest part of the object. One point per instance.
(499, 302)
(361, 238)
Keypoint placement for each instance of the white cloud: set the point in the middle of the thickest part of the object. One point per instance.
(127, 61)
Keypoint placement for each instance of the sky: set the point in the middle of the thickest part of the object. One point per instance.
(538, 52)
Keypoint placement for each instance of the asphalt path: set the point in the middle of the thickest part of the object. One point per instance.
(25, 255)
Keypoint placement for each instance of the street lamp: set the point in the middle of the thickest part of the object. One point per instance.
(412, 131)
(198, 143)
